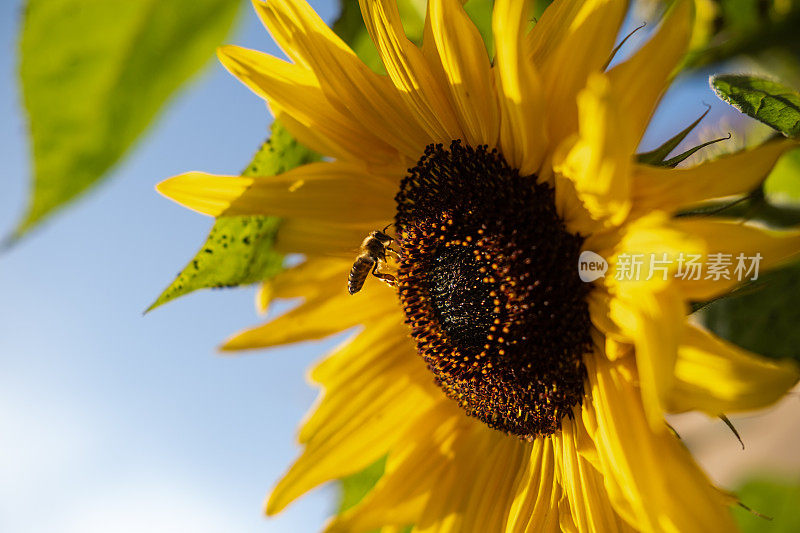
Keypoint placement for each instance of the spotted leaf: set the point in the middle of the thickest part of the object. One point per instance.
(239, 250)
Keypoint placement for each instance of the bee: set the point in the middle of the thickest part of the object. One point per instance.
(373, 253)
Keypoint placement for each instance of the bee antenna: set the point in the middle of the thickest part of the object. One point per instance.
(387, 227)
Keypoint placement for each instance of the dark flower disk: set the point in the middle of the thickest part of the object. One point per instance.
(489, 286)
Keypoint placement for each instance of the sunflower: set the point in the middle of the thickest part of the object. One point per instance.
(504, 393)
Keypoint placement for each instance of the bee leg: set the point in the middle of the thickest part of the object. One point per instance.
(386, 278)
(395, 254)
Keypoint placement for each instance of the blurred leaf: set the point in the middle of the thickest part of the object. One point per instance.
(783, 182)
(779, 501)
(765, 100)
(480, 12)
(239, 250)
(412, 13)
(744, 27)
(539, 6)
(767, 305)
(350, 27)
(94, 73)
(356, 486)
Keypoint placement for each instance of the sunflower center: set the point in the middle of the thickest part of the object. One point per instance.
(488, 282)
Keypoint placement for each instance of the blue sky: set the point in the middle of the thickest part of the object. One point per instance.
(114, 421)
(110, 420)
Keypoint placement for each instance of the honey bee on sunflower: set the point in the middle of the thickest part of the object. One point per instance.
(505, 393)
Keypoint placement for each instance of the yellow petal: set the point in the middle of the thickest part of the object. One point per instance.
(386, 334)
(494, 475)
(263, 298)
(522, 105)
(295, 91)
(600, 303)
(589, 505)
(640, 81)
(570, 207)
(204, 193)
(617, 350)
(354, 372)
(369, 99)
(550, 30)
(599, 162)
(415, 469)
(587, 427)
(582, 49)
(331, 192)
(357, 425)
(330, 312)
(652, 317)
(308, 279)
(308, 135)
(669, 189)
(285, 34)
(313, 238)
(436, 68)
(716, 377)
(409, 71)
(468, 70)
(424, 479)
(742, 246)
(634, 261)
(566, 522)
(646, 306)
(666, 489)
(535, 500)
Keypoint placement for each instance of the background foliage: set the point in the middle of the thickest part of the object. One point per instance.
(95, 73)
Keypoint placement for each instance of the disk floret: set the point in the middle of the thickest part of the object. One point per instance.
(489, 286)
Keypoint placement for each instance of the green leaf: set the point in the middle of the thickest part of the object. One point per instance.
(350, 27)
(239, 250)
(480, 12)
(412, 13)
(765, 100)
(539, 6)
(673, 162)
(94, 74)
(779, 501)
(354, 487)
(768, 305)
(659, 155)
(783, 183)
